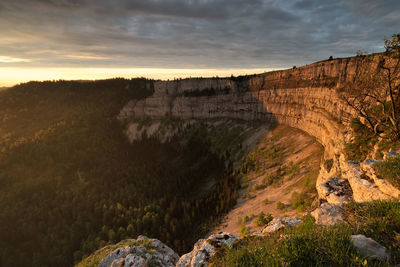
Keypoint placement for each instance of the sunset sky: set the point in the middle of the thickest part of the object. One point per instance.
(92, 39)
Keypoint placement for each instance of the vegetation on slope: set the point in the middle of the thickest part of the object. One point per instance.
(313, 245)
(390, 170)
(379, 220)
(71, 183)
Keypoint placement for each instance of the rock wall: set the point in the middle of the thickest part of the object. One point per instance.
(303, 98)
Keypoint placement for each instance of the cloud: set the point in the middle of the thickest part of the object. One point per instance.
(6, 59)
(191, 33)
(87, 57)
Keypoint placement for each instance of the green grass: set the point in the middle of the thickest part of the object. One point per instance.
(301, 201)
(379, 220)
(309, 244)
(305, 245)
(389, 169)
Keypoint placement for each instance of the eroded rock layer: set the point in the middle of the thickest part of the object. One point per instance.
(303, 98)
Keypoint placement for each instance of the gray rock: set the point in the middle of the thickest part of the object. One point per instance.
(278, 223)
(143, 251)
(134, 261)
(369, 247)
(328, 214)
(391, 154)
(204, 249)
(115, 256)
(335, 190)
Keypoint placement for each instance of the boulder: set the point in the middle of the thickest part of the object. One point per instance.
(328, 214)
(369, 248)
(139, 253)
(281, 222)
(204, 249)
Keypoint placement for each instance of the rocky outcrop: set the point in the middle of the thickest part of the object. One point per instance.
(328, 214)
(369, 248)
(281, 222)
(335, 190)
(359, 182)
(384, 186)
(141, 252)
(204, 249)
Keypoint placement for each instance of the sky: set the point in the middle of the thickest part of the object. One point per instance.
(166, 39)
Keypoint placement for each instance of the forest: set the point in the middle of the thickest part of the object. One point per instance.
(70, 182)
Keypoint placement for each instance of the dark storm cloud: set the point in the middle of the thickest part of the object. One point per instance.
(191, 33)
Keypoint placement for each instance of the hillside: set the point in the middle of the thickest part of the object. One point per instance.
(88, 164)
(286, 169)
(71, 182)
(309, 98)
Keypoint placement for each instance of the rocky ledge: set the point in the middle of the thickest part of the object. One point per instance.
(140, 252)
(144, 252)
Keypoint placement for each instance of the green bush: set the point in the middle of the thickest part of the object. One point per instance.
(363, 142)
(244, 231)
(389, 169)
(280, 205)
(300, 201)
(263, 219)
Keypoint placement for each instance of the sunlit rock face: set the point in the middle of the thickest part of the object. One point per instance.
(304, 98)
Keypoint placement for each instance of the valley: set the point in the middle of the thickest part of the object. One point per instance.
(86, 164)
(286, 170)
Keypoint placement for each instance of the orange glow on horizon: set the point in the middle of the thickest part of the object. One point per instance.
(13, 75)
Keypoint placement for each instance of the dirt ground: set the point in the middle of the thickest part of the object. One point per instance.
(296, 149)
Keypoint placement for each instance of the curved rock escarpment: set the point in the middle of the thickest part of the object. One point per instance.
(303, 98)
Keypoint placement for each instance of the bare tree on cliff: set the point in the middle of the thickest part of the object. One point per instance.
(375, 92)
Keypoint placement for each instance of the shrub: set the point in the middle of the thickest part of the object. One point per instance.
(244, 231)
(280, 205)
(363, 142)
(258, 187)
(389, 169)
(266, 201)
(300, 201)
(263, 219)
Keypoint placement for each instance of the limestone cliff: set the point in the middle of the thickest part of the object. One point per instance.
(303, 98)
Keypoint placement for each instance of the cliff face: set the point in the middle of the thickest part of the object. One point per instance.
(303, 98)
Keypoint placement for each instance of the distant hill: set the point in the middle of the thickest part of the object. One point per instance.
(70, 182)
